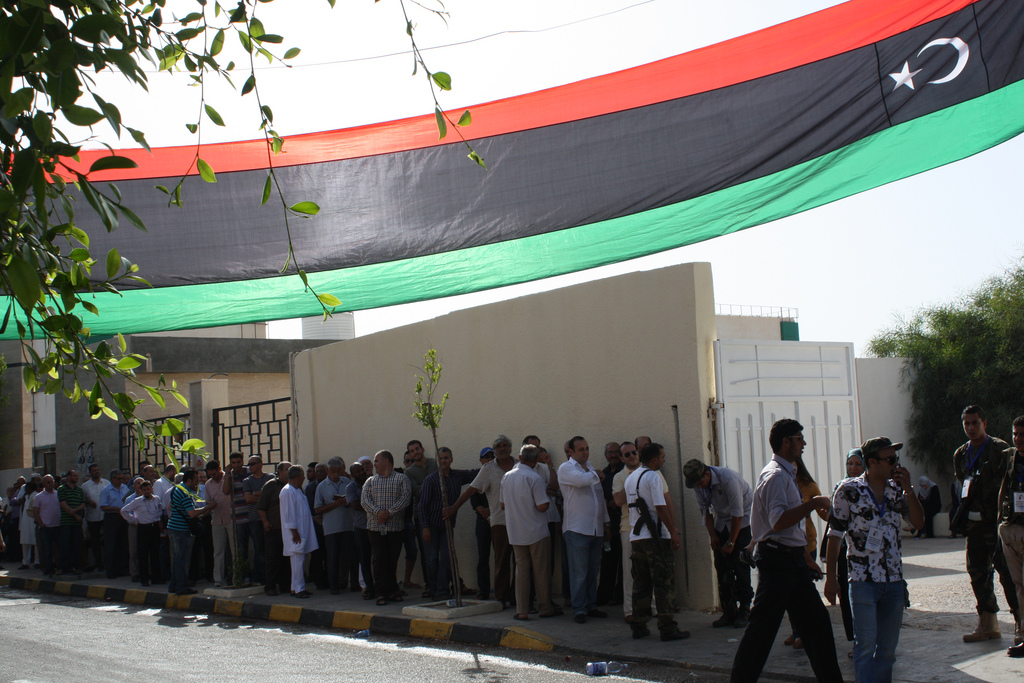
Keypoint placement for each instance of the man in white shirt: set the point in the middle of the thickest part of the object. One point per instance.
(488, 482)
(525, 501)
(653, 568)
(585, 527)
(93, 490)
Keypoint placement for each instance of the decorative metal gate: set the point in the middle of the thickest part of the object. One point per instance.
(132, 455)
(262, 429)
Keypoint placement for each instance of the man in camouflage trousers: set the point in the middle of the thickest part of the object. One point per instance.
(980, 464)
(653, 570)
(1011, 523)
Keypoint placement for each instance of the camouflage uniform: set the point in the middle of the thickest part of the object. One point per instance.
(984, 551)
(653, 572)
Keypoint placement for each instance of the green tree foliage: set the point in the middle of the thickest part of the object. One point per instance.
(970, 351)
(50, 54)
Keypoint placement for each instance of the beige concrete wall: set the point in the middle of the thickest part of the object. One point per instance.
(748, 327)
(610, 360)
(883, 400)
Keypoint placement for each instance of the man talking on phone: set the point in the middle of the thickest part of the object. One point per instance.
(868, 509)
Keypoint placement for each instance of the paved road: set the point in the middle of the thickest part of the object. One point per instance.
(60, 638)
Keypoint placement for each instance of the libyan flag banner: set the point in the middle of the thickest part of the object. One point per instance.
(599, 171)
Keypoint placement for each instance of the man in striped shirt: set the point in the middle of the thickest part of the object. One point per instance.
(183, 508)
(385, 496)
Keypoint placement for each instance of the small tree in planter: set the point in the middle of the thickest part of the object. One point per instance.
(429, 415)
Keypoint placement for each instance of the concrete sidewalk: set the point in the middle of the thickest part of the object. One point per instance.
(930, 644)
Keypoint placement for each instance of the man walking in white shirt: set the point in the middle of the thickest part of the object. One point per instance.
(585, 527)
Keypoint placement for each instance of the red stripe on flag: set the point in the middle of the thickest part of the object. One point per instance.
(803, 40)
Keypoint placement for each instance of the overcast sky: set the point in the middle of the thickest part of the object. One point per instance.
(850, 267)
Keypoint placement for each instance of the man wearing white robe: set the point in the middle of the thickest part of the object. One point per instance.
(297, 532)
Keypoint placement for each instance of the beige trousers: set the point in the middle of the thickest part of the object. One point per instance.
(1012, 536)
(535, 557)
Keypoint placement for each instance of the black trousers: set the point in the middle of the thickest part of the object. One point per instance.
(734, 590)
(483, 557)
(279, 567)
(785, 585)
(386, 549)
(365, 555)
(340, 551)
(115, 545)
(149, 552)
(96, 543)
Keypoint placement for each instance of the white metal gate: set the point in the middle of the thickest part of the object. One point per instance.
(759, 382)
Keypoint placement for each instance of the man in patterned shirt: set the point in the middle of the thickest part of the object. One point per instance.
(868, 509)
(384, 498)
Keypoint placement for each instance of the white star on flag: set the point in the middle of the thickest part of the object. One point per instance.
(904, 77)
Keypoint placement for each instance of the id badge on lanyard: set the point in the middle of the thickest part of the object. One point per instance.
(965, 491)
(1018, 501)
(874, 542)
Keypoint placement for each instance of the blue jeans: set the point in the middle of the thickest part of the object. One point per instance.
(181, 557)
(438, 561)
(584, 554)
(877, 617)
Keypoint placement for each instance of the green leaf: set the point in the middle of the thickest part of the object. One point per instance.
(193, 445)
(24, 281)
(276, 144)
(157, 398)
(80, 235)
(28, 376)
(442, 127)
(268, 113)
(292, 53)
(121, 342)
(192, 127)
(106, 163)
(466, 118)
(79, 254)
(81, 116)
(269, 38)
(303, 277)
(249, 85)
(187, 34)
(127, 363)
(132, 218)
(18, 102)
(113, 263)
(308, 208)
(206, 172)
(477, 159)
(218, 43)
(214, 116)
(443, 80)
(266, 190)
(90, 307)
(329, 300)
(256, 28)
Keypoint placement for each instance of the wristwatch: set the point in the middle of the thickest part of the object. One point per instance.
(729, 543)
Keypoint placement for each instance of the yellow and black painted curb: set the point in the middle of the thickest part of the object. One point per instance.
(396, 625)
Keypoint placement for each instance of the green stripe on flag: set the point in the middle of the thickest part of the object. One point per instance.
(895, 153)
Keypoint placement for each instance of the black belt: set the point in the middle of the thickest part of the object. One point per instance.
(775, 546)
(147, 524)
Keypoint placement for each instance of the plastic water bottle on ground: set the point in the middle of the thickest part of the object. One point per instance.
(365, 633)
(604, 668)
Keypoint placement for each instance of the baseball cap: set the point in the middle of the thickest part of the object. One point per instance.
(873, 446)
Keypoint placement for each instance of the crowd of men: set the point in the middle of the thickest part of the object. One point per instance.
(615, 528)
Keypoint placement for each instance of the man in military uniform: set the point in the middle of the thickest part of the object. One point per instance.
(980, 464)
(1011, 524)
(653, 570)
